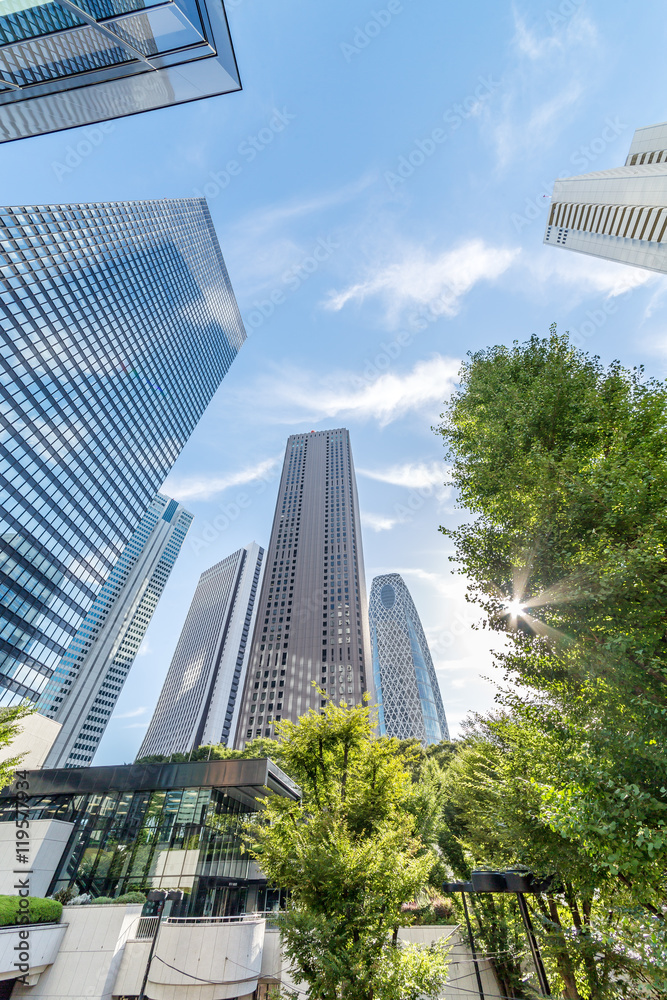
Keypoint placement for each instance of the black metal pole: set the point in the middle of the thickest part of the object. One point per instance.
(152, 949)
(472, 948)
(532, 941)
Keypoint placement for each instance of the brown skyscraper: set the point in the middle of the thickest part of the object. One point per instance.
(312, 622)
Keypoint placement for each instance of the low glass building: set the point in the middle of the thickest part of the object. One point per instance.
(65, 63)
(154, 826)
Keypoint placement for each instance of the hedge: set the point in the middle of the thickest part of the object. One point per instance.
(38, 911)
(128, 897)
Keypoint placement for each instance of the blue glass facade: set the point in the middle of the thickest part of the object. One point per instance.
(65, 63)
(85, 686)
(406, 685)
(117, 325)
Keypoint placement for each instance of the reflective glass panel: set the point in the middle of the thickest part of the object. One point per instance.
(160, 30)
(21, 19)
(76, 51)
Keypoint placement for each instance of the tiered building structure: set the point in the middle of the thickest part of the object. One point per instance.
(312, 622)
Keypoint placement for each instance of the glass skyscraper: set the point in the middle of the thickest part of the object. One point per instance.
(200, 699)
(312, 620)
(406, 685)
(86, 685)
(73, 62)
(117, 325)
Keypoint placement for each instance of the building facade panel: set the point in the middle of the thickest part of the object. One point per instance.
(65, 63)
(117, 325)
(200, 698)
(83, 691)
(618, 214)
(312, 625)
(406, 685)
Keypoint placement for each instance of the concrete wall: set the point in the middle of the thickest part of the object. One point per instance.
(47, 841)
(227, 956)
(462, 981)
(36, 736)
(90, 954)
(40, 941)
(462, 984)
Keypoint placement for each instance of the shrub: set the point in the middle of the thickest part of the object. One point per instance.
(103, 899)
(64, 895)
(39, 911)
(131, 897)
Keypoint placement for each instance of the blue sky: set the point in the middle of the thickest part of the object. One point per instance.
(385, 216)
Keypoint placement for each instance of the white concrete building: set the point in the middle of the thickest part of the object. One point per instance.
(200, 699)
(618, 214)
(85, 686)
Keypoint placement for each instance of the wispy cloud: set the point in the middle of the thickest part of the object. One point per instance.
(588, 274)
(294, 394)
(206, 486)
(379, 522)
(137, 725)
(265, 243)
(555, 59)
(131, 714)
(419, 281)
(413, 475)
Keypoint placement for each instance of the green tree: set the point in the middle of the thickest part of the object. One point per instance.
(350, 854)
(10, 719)
(563, 465)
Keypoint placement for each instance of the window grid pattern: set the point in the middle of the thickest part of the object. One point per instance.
(117, 325)
(198, 699)
(312, 621)
(86, 685)
(188, 838)
(406, 684)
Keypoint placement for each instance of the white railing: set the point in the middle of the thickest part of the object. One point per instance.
(146, 928)
(238, 919)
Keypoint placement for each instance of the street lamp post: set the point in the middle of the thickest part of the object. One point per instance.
(518, 882)
(159, 896)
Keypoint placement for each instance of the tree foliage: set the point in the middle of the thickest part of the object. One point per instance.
(350, 853)
(10, 727)
(563, 464)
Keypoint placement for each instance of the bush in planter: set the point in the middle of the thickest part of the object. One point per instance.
(39, 911)
(131, 897)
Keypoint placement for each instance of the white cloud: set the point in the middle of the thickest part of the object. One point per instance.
(132, 714)
(137, 725)
(555, 62)
(432, 285)
(588, 274)
(379, 522)
(268, 241)
(415, 475)
(298, 395)
(204, 487)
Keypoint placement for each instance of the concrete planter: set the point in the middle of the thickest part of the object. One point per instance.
(33, 945)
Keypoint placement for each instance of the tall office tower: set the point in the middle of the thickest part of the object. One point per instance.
(312, 621)
(200, 698)
(117, 325)
(86, 684)
(406, 686)
(619, 214)
(74, 62)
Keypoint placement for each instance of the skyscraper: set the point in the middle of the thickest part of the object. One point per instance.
(117, 325)
(72, 62)
(312, 619)
(406, 686)
(200, 697)
(618, 214)
(83, 691)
